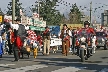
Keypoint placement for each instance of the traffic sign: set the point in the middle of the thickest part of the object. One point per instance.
(39, 23)
(1, 19)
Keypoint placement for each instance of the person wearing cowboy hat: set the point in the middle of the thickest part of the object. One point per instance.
(65, 36)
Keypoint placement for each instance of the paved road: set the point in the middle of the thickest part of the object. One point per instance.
(56, 63)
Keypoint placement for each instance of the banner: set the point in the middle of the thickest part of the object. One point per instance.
(55, 42)
(54, 29)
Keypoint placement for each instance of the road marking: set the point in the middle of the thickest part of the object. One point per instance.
(27, 68)
(104, 70)
(5, 65)
(68, 69)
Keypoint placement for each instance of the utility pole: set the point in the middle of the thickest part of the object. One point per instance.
(90, 13)
(13, 11)
(38, 6)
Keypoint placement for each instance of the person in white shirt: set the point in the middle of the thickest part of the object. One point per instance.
(27, 27)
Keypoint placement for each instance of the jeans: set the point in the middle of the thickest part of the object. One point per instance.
(4, 44)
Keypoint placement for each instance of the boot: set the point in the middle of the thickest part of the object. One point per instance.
(35, 52)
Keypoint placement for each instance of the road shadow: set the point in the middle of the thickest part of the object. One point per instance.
(104, 57)
(8, 56)
(66, 59)
(6, 60)
(93, 61)
(90, 65)
(6, 67)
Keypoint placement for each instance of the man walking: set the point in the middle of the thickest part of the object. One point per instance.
(20, 35)
(65, 36)
(46, 37)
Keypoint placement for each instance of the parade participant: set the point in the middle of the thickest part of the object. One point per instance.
(1, 48)
(3, 42)
(88, 29)
(11, 40)
(65, 36)
(39, 40)
(8, 29)
(70, 50)
(46, 39)
(3, 37)
(32, 37)
(20, 35)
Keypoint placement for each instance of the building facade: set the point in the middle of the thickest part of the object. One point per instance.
(104, 17)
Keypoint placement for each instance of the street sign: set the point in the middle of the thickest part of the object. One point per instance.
(1, 19)
(43, 24)
(30, 21)
(39, 23)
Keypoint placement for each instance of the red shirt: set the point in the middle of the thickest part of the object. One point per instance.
(89, 30)
(38, 38)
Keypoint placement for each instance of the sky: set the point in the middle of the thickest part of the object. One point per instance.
(65, 9)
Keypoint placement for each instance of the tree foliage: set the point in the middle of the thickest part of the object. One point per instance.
(64, 19)
(48, 11)
(74, 15)
(17, 8)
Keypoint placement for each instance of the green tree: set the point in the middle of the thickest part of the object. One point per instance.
(64, 19)
(48, 11)
(17, 8)
(74, 15)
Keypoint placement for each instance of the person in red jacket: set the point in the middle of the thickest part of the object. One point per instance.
(39, 39)
(88, 29)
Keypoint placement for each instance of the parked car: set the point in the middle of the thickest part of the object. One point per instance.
(102, 40)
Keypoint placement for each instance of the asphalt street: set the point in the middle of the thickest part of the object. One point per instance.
(56, 63)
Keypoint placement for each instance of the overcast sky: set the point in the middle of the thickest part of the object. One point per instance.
(63, 8)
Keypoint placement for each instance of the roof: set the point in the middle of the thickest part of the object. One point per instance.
(1, 13)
